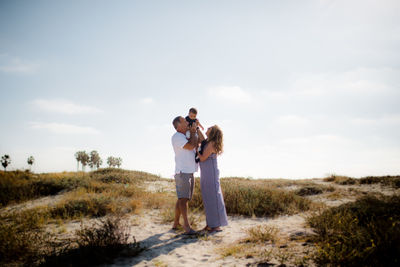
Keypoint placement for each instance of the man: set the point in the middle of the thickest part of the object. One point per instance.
(185, 166)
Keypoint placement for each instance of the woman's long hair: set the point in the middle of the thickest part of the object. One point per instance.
(216, 136)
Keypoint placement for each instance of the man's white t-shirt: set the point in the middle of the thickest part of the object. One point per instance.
(184, 158)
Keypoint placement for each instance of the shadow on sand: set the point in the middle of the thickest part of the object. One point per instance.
(156, 245)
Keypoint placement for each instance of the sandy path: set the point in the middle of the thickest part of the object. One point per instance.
(168, 248)
(29, 204)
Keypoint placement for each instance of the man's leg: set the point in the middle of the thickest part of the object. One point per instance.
(177, 215)
(183, 208)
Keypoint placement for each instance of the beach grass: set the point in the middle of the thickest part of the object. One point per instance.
(254, 198)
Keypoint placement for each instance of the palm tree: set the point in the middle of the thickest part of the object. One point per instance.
(119, 162)
(84, 160)
(31, 160)
(78, 157)
(111, 161)
(95, 160)
(5, 161)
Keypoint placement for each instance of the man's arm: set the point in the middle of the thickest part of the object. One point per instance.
(193, 140)
(201, 136)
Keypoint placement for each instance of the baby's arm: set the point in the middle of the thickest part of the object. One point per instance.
(199, 124)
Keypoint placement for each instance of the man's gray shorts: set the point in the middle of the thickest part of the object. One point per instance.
(184, 183)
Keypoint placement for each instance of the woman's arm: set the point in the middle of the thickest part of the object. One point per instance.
(207, 151)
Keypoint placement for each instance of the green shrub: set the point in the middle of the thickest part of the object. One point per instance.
(98, 244)
(308, 191)
(362, 233)
(114, 175)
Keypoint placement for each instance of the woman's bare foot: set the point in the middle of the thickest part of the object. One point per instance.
(215, 229)
(207, 228)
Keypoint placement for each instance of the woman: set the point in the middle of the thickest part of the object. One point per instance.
(213, 200)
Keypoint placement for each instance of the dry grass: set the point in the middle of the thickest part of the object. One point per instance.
(24, 242)
(262, 234)
(254, 244)
(340, 179)
(17, 186)
(255, 198)
(314, 190)
(265, 244)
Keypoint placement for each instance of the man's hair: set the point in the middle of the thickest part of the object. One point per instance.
(193, 110)
(176, 121)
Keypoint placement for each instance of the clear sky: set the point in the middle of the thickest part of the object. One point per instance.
(301, 89)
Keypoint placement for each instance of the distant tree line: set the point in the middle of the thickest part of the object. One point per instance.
(6, 160)
(94, 160)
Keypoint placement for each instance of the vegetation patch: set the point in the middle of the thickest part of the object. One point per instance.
(23, 243)
(266, 245)
(362, 233)
(261, 234)
(342, 180)
(96, 244)
(393, 181)
(22, 238)
(314, 190)
(19, 186)
(249, 197)
(113, 175)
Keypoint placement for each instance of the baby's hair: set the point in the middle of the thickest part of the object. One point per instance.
(193, 110)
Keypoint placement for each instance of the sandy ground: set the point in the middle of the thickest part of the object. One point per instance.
(166, 247)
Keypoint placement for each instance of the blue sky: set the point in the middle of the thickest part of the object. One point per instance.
(301, 89)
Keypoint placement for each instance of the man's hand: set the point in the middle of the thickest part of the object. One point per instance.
(193, 140)
(193, 128)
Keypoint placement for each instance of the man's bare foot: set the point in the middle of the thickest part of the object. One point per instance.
(190, 232)
(187, 228)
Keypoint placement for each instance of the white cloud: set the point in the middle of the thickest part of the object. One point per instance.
(63, 128)
(16, 65)
(147, 100)
(233, 94)
(63, 106)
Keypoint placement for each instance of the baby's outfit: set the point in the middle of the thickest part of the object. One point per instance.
(190, 121)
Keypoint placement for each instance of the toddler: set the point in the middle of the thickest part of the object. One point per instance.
(192, 118)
